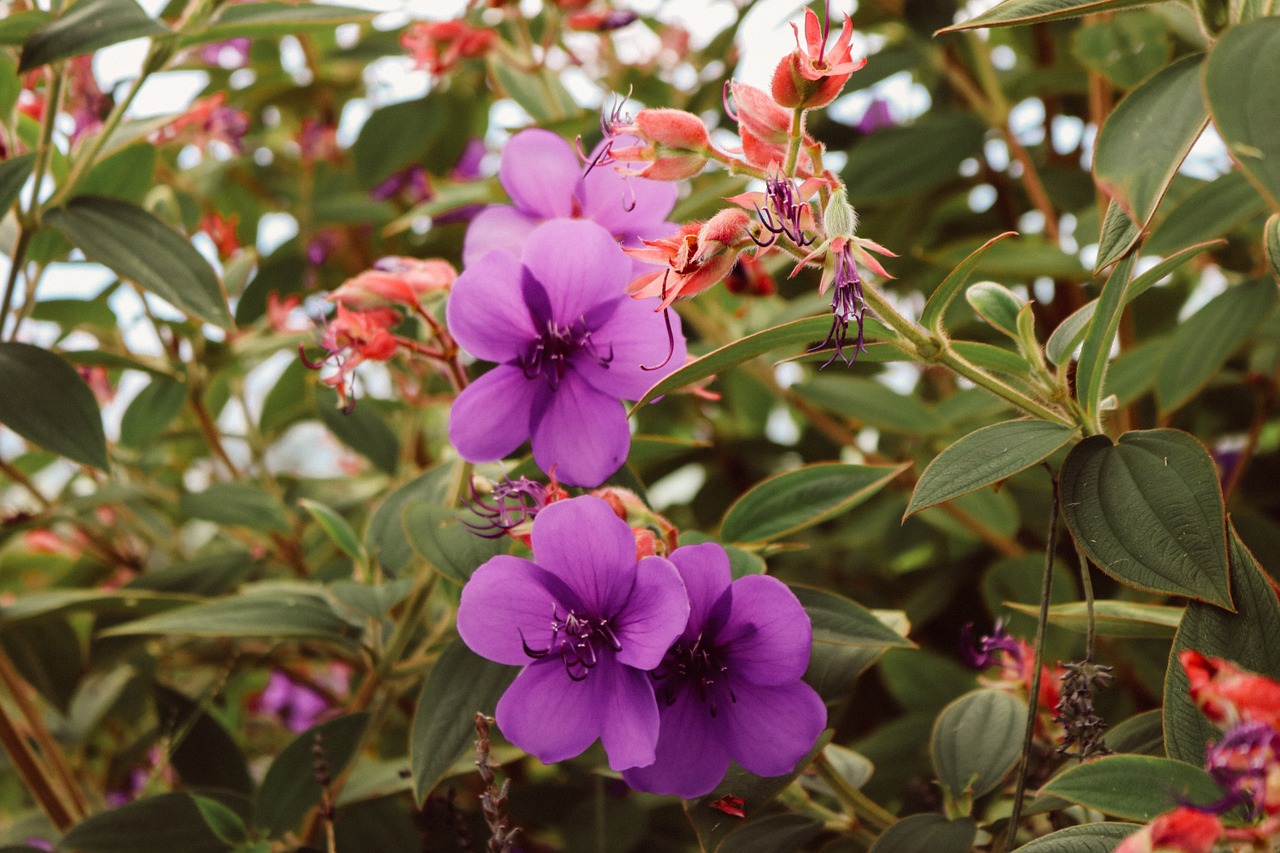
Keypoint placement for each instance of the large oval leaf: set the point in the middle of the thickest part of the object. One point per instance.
(113, 232)
(1087, 838)
(272, 19)
(86, 26)
(437, 534)
(1013, 12)
(13, 174)
(160, 824)
(1148, 136)
(794, 500)
(45, 400)
(1148, 511)
(1137, 787)
(927, 833)
(290, 788)
(936, 308)
(984, 457)
(1246, 637)
(976, 741)
(243, 504)
(1245, 100)
(1112, 618)
(773, 834)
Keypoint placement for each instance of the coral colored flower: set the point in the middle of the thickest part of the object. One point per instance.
(696, 256)
(730, 687)
(810, 76)
(208, 120)
(438, 46)
(1183, 830)
(662, 144)
(587, 621)
(1228, 695)
(351, 338)
(85, 100)
(279, 313)
(546, 180)
(569, 345)
(222, 231)
(603, 21)
(395, 281)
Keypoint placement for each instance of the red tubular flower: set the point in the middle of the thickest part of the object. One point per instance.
(810, 76)
(1228, 695)
(697, 256)
(673, 143)
(1182, 830)
(394, 281)
(439, 46)
(353, 337)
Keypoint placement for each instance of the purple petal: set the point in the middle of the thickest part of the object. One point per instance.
(769, 729)
(692, 756)
(654, 616)
(499, 227)
(593, 551)
(505, 606)
(487, 312)
(621, 209)
(582, 431)
(636, 336)
(549, 715)
(628, 711)
(540, 171)
(491, 417)
(768, 635)
(705, 571)
(580, 265)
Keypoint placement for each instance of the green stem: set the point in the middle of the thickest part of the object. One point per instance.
(734, 166)
(96, 144)
(1086, 581)
(795, 137)
(867, 810)
(44, 149)
(1033, 701)
(16, 261)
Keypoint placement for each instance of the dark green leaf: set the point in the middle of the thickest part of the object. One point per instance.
(899, 161)
(1101, 332)
(362, 429)
(1245, 104)
(1137, 787)
(1141, 734)
(438, 536)
(775, 834)
(16, 26)
(1087, 838)
(336, 528)
(1148, 511)
(870, 402)
(1271, 244)
(13, 174)
(224, 822)
(47, 653)
(927, 833)
(44, 400)
(1119, 233)
(976, 741)
(385, 536)
(936, 308)
(794, 500)
(130, 603)
(290, 789)
(163, 824)
(1113, 618)
(1213, 210)
(1013, 12)
(840, 621)
(212, 573)
(86, 26)
(1147, 137)
(265, 19)
(460, 684)
(109, 231)
(243, 504)
(986, 457)
(202, 751)
(1125, 49)
(1246, 637)
(151, 411)
(127, 174)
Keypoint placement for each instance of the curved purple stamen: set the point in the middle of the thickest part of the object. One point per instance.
(696, 665)
(580, 641)
(511, 503)
(550, 353)
(847, 306)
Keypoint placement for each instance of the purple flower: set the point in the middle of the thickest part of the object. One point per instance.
(569, 345)
(1243, 763)
(730, 687)
(299, 706)
(232, 53)
(546, 180)
(587, 621)
(982, 654)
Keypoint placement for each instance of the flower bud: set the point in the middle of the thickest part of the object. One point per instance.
(673, 129)
(840, 219)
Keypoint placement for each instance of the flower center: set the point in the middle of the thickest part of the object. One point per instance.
(550, 353)
(579, 640)
(694, 665)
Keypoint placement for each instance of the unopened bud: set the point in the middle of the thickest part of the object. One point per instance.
(840, 219)
(673, 129)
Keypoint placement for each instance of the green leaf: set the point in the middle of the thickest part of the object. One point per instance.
(16, 26)
(336, 528)
(127, 174)
(927, 833)
(151, 411)
(372, 601)
(1214, 209)
(1112, 618)
(1119, 233)
(976, 741)
(287, 611)
(870, 402)
(1147, 137)
(1202, 343)
(202, 751)
(1245, 105)
(13, 174)
(1246, 637)
(127, 603)
(936, 308)
(241, 504)
(110, 231)
(1141, 734)
(44, 400)
(1148, 511)
(1096, 349)
(362, 429)
(773, 834)
(1014, 12)
(900, 161)
(162, 824)
(1086, 838)
(290, 789)
(460, 684)
(993, 358)
(541, 93)
(985, 457)
(385, 536)
(445, 543)
(996, 304)
(1125, 49)
(791, 501)
(225, 823)
(48, 654)
(1137, 787)
(840, 621)
(1271, 244)
(265, 19)
(86, 26)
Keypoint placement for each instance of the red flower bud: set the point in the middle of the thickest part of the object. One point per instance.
(673, 129)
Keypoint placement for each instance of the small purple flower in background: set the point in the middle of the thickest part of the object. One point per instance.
(412, 182)
(730, 687)
(546, 180)
(877, 117)
(570, 345)
(982, 654)
(586, 620)
(1246, 764)
(232, 53)
(301, 706)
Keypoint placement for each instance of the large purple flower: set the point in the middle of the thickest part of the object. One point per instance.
(545, 180)
(570, 346)
(730, 687)
(586, 620)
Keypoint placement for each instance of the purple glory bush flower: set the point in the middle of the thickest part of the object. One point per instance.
(570, 345)
(586, 620)
(546, 180)
(730, 688)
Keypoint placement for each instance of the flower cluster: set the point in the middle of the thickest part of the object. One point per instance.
(675, 667)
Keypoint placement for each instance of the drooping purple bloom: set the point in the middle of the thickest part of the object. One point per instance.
(570, 345)
(546, 180)
(730, 687)
(1241, 763)
(587, 621)
(847, 306)
(981, 653)
(300, 706)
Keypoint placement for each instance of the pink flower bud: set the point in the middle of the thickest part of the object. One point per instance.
(673, 129)
(758, 114)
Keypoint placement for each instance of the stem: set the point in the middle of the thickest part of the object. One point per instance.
(794, 137)
(1086, 581)
(1033, 701)
(16, 261)
(734, 166)
(53, 756)
(867, 810)
(26, 762)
